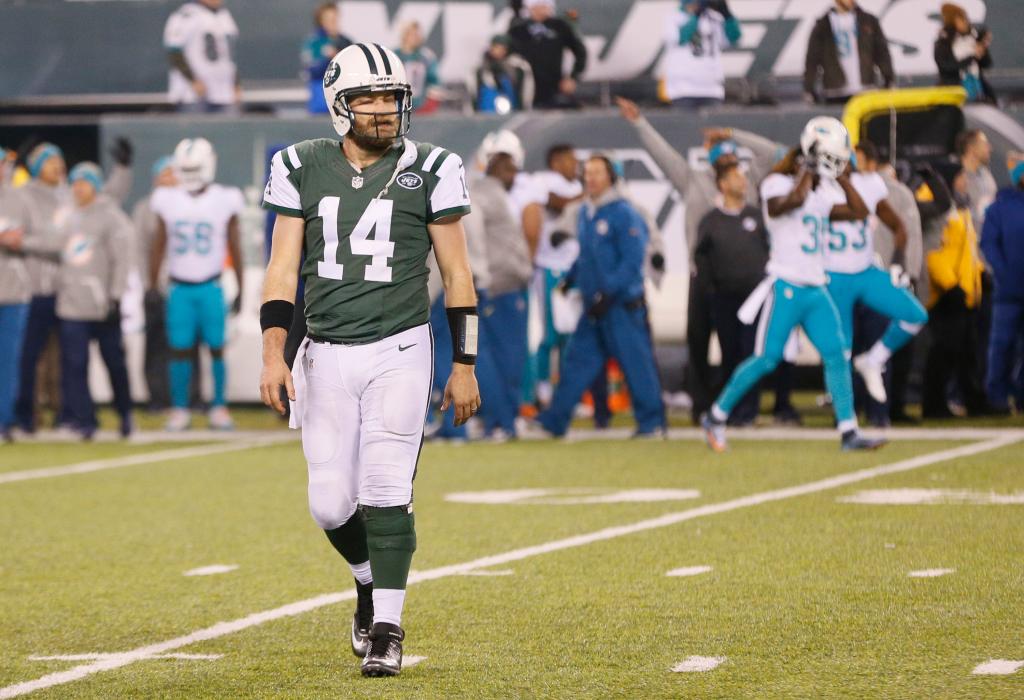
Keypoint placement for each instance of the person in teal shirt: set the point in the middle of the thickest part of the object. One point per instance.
(420, 65)
(318, 50)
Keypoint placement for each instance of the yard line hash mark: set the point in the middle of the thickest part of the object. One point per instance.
(698, 664)
(222, 629)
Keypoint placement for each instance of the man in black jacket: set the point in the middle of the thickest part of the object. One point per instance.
(848, 53)
(732, 250)
(542, 39)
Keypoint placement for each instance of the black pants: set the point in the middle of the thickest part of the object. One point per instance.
(698, 336)
(75, 337)
(157, 354)
(737, 342)
(952, 356)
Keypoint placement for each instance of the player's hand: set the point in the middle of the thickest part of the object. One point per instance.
(599, 306)
(122, 151)
(12, 239)
(567, 86)
(275, 375)
(236, 305)
(899, 277)
(199, 87)
(462, 393)
(628, 109)
(560, 237)
(715, 134)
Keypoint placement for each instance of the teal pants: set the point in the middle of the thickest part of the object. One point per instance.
(195, 312)
(787, 307)
(874, 288)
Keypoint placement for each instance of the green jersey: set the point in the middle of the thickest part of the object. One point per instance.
(366, 240)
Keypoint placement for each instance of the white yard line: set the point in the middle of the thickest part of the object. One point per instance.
(689, 571)
(930, 573)
(135, 460)
(998, 667)
(211, 570)
(698, 664)
(97, 657)
(222, 629)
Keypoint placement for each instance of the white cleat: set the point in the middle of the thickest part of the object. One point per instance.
(178, 420)
(872, 375)
(220, 419)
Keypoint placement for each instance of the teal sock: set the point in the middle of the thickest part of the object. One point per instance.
(391, 537)
(181, 380)
(220, 380)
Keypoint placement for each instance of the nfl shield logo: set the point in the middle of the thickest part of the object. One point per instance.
(357, 182)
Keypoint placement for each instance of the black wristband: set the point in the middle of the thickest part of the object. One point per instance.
(464, 325)
(276, 313)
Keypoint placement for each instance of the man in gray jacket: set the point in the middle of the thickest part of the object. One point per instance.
(503, 317)
(14, 294)
(699, 192)
(97, 257)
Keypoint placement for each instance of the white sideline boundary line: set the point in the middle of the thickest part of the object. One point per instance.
(222, 629)
(135, 460)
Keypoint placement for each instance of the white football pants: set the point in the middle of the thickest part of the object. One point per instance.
(362, 422)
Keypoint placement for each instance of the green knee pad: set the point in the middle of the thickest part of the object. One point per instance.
(391, 537)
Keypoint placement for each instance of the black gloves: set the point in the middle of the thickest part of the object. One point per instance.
(721, 6)
(236, 305)
(599, 306)
(658, 262)
(559, 237)
(114, 313)
(122, 151)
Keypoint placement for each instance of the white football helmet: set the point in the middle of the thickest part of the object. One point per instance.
(195, 163)
(503, 141)
(827, 143)
(361, 69)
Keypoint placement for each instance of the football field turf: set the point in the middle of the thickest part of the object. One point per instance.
(541, 572)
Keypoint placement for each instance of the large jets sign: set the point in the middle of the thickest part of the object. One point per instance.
(625, 39)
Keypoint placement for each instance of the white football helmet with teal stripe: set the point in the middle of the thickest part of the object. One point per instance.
(827, 142)
(366, 68)
(195, 163)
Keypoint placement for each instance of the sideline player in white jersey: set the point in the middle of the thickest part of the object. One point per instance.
(853, 276)
(799, 203)
(366, 212)
(198, 225)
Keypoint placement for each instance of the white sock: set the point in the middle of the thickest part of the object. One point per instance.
(718, 414)
(878, 355)
(843, 427)
(362, 572)
(387, 605)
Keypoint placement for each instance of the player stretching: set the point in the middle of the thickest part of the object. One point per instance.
(365, 212)
(799, 204)
(199, 219)
(853, 277)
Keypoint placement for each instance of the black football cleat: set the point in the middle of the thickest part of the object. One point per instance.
(362, 620)
(853, 441)
(385, 655)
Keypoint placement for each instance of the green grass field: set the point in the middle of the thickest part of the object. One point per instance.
(807, 596)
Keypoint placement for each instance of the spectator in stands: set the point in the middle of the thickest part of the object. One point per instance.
(157, 353)
(94, 270)
(954, 270)
(503, 318)
(14, 293)
(199, 38)
(318, 50)
(420, 67)
(732, 251)
(901, 200)
(1002, 241)
(699, 193)
(975, 154)
(696, 35)
(542, 39)
(847, 53)
(609, 273)
(504, 81)
(962, 54)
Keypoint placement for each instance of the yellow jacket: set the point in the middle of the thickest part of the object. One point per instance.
(956, 263)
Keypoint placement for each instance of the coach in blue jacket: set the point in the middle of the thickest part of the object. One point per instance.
(1002, 241)
(609, 273)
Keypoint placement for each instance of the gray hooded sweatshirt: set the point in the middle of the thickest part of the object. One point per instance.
(48, 211)
(496, 220)
(698, 189)
(97, 255)
(14, 280)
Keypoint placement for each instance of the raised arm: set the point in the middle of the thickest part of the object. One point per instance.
(671, 161)
(855, 209)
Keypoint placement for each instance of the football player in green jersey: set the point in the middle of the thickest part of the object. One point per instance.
(366, 213)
